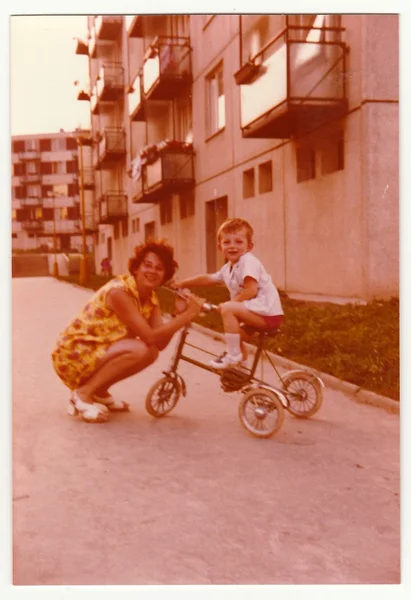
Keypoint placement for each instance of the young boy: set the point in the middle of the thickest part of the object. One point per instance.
(254, 298)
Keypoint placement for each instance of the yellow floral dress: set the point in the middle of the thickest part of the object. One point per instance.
(95, 328)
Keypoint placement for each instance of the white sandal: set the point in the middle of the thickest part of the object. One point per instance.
(91, 413)
(112, 404)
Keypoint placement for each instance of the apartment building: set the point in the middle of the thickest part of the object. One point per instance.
(288, 121)
(47, 185)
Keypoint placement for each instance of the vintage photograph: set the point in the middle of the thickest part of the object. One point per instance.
(205, 299)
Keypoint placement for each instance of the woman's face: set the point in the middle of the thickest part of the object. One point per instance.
(151, 273)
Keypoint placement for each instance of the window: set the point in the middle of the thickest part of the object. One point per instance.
(187, 204)
(38, 213)
(116, 231)
(265, 177)
(166, 211)
(32, 168)
(14, 214)
(31, 145)
(305, 163)
(125, 228)
(248, 183)
(58, 168)
(184, 120)
(102, 238)
(34, 191)
(14, 236)
(332, 154)
(215, 101)
(60, 189)
(58, 144)
(135, 224)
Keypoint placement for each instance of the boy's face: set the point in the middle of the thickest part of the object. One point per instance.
(234, 244)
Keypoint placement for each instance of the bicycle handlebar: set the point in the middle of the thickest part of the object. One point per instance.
(207, 306)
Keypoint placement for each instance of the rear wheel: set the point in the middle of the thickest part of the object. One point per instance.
(261, 412)
(163, 396)
(304, 394)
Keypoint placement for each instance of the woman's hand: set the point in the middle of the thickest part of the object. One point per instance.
(194, 304)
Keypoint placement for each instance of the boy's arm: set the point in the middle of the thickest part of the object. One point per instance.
(249, 290)
(193, 281)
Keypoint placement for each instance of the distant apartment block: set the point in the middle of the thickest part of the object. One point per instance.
(289, 121)
(47, 184)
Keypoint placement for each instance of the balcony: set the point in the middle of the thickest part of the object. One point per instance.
(108, 27)
(135, 100)
(109, 86)
(134, 26)
(31, 201)
(30, 178)
(33, 225)
(168, 169)
(113, 207)
(167, 67)
(63, 226)
(111, 148)
(90, 222)
(88, 179)
(293, 86)
(30, 155)
(81, 47)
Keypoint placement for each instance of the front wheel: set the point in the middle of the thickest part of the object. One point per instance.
(261, 412)
(163, 396)
(303, 392)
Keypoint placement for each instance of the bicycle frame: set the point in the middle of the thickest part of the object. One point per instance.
(252, 380)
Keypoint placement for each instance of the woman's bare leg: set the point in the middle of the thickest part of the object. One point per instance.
(123, 359)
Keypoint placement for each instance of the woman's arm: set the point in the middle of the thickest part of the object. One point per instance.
(249, 290)
(125, 308)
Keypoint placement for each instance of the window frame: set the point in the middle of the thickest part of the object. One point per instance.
(212, 80)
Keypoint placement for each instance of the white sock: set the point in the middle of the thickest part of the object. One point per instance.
(233, 343)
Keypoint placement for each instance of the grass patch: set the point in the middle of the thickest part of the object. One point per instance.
(359, 344)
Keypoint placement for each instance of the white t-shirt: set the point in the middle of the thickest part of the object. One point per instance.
(267, 302)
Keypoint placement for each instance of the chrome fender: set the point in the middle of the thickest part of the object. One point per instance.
(256, 386)
(298, 371)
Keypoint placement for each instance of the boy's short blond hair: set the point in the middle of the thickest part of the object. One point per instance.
(232, 225)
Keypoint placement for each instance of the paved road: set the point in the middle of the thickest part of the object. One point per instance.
(191, 498)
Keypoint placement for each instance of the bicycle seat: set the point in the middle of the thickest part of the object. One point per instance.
(250, 330)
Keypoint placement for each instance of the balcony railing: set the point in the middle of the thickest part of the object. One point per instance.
(33, 225)
(88, 179)
(30, 178)
(108, 27)
(167, 67)
(292, 85)
(63, 226)
(134, 26)
(170, 170)
(32, 201)
(135, 100)
(30, 155)
(90, 222)
(113, 207)
(111, 148)
(110, 82)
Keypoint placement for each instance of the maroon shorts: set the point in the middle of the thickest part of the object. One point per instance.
(273, 322)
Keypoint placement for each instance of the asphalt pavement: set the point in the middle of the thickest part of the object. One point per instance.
(191, 498)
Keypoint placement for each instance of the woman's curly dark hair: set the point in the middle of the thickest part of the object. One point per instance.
(162, 249)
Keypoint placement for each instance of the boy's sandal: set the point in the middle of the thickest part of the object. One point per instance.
(112, 404)
(91, 413)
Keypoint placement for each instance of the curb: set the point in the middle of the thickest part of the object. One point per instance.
(356, 393)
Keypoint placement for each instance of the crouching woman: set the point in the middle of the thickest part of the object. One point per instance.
(119, 332)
